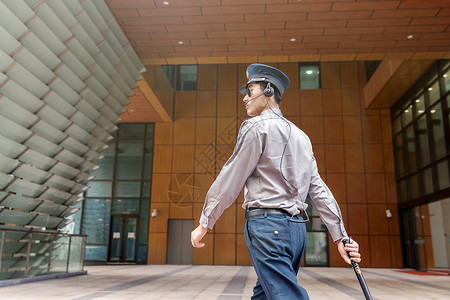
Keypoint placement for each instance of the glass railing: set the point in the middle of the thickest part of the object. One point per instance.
(34, 253)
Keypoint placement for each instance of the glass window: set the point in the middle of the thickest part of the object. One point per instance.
(131, 131)
(437, 127)
(403, 191)
(443, 176)
(433, 92)
(170, 73)
(99, 189)
(446, 77)
(125, 206)
(129, 159)
(427, 180)
(96, 216)
(397, 125)
(407, 115)
(422, 135)
(127, 189)
(410, 152)
(399, 156)
(106, 165)
(310, 76)
(414, 186)
(316, 249)
(420, 105)
(187, 78)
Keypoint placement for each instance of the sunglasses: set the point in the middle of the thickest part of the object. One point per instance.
(249, 93)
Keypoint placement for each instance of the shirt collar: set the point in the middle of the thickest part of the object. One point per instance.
(271, 111)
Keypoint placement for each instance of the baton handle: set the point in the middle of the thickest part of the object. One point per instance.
(358, 272)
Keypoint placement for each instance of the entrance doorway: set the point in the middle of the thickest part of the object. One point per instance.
(179, 248)
(123, 238)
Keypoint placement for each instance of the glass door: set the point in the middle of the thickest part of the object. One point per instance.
(122, 246)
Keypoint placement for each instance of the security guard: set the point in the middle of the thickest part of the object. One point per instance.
(274, 159)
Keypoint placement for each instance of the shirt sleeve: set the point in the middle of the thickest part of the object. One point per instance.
(231, 179)
(323, 200)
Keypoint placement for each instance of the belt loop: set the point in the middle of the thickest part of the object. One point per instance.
(265, 213)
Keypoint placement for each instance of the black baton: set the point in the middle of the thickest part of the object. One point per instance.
(358, 273)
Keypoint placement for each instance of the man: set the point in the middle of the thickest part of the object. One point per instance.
(275, 161)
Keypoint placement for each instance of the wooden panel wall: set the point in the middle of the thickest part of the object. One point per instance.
(353, 147)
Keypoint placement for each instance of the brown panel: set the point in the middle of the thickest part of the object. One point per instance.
(371, 129)
(227, 77)
(356, 191)
(204, 256)
(357, 219)
(163, 133)
(394, 222)
(183, 159)
(354, 158)
(291, 70)
(330, 75)
(376, 188)
(157, 248)
(207, 77)
(378, 222)
(290, 104)
(388, 158)
(185, 104)
(203, 183)
(183, 190)
(396, 251)
(351, 102)
(373, 158)
(352, 130)
(224, 249)
(334, 158)
(240, 215)
(205, 129)
(205, 159)
(379, 257)
(160, 222)
(346, 6)
(181, 210)
(319, 154)
(332, 103)
(227, 222)
(386, 128)
(227, 131)
(349, 73)
(227, 103)
(223, 154)
(242, 256)
(184, 131)
(391, 188)
(311, 103)
(426, 220)
(160, 187)
(335, 259)
(429, 252)
(314, 128)
(206, 103)
(336, 183)
(333, 130)
(163, 155)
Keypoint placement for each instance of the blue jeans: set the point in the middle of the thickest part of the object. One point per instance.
(276, 247)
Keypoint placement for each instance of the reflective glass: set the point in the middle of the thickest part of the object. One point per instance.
(309, 76)
(106, 165)
(434, 93)
(99, 189)
(59, 254)
(131, 131)
(399, 156)
(129, 159)
(443, 175)
(414, 186)
(169, 70)
(125, 206)
(403, 190)
(410, 149)
(419, 105)
(446, 77)
(96, 215)
(407, 115)
(437, 127)
(127, 189)
(96, 252)
(187, 78)
(422, 132)
(316, 249)
(397, 125)
(427, 181)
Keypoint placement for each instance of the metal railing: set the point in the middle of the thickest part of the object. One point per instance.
(29, 253)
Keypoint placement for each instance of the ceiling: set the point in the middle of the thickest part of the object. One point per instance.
(246, 31)
(233, 31)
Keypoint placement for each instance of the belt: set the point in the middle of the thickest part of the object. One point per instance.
(265, 211)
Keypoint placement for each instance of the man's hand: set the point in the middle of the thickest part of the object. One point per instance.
(352, 248)
(197, 235)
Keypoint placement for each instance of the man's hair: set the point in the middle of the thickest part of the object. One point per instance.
(263, 85)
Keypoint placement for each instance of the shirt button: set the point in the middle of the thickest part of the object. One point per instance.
(276, 232)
